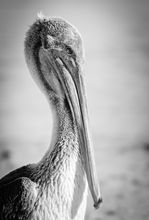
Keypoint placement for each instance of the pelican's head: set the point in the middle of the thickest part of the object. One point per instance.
(48, 43)
(54, 54)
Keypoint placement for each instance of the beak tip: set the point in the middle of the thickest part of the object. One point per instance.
(97, 204)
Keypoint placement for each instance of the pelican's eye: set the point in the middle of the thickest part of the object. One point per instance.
(69, 50)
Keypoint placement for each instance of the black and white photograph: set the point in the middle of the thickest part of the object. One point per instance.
(74, 110)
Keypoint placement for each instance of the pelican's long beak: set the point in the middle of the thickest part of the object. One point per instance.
(72, 83)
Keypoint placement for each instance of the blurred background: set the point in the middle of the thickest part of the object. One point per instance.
(116, 41)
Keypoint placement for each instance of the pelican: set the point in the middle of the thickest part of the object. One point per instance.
(56, 187)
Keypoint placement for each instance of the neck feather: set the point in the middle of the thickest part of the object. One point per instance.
(60, 172)
(64, 143)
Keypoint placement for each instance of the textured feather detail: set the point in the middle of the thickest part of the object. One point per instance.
(40, 15)
(17, 199)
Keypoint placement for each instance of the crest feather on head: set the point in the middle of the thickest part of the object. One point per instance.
(40, 15)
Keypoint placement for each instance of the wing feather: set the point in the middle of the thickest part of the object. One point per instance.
(17, 199)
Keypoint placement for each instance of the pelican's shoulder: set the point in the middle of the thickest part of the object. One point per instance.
(17, 198)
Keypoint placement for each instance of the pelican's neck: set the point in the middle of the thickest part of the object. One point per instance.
(64, 142)
(60, 171)
(64, 125)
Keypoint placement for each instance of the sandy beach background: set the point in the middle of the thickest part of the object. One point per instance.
(116, 41)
